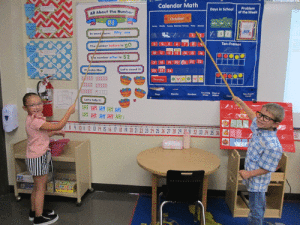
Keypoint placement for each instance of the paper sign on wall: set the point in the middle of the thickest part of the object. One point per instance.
(64, 98)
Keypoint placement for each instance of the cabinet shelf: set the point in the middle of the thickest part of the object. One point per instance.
(75, 160)
(274, 196)
(69, 195)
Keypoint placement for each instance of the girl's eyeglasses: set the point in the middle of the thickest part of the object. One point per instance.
(265, 117)
(34, 105)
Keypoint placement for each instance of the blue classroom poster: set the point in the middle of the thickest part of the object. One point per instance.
(179, 68)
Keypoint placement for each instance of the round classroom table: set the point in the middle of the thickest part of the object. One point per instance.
(158, 161)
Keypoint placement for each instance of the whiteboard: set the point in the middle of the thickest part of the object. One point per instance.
(272, 69)
(274, 52)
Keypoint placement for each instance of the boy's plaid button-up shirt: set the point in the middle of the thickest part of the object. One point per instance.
(264, 152)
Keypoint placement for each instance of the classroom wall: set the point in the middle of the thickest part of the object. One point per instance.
(113, 156)
(12, 67)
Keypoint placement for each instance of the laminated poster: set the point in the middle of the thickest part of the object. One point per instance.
(179, 68)
(235, 125)
(115, 84)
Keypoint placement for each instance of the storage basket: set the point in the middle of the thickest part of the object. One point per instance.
(57, 146)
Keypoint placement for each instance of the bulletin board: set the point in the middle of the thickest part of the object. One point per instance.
(178, 65)
(46, 22)
(49, 19)
(118, 86)
(49, 58)
(235, 125)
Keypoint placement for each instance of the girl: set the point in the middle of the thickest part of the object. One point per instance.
(38, 154)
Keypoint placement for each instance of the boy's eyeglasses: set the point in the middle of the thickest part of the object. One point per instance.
(265, 117)
(34, 105)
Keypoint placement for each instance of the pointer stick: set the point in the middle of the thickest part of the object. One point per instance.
(89, 65)
(215, 64)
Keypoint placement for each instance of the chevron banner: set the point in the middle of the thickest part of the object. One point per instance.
(49, 18)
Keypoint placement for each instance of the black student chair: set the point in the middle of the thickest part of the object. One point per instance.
(183, 187)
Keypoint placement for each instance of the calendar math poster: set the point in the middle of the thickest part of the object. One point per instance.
(179, 68)
(235, 125)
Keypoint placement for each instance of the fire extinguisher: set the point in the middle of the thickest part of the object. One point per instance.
(45, 91)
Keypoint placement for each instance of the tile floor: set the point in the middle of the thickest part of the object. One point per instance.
(98, 208)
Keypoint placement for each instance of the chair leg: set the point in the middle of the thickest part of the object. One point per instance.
(158, 203)
(161, 212)
(203, 211)
(196, 213)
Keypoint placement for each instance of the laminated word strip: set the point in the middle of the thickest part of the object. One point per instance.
(147, 130)
(142, 130)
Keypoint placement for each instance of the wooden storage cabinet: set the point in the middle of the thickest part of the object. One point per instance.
(274, 197)
(74, 161)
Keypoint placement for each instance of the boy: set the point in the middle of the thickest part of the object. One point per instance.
(263, 155)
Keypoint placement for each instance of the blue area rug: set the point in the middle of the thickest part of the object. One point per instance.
(216, 206)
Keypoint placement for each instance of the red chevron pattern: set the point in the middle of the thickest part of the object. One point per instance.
(61, 20)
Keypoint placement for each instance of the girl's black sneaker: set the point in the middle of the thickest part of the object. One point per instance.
(46, 212)
(41, 220)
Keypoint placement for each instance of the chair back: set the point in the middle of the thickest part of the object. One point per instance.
(184, 186)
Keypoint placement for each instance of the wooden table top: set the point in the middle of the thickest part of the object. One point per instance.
(158, 160)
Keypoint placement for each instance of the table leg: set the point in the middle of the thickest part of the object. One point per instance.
(204, 191)
(154, 199)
